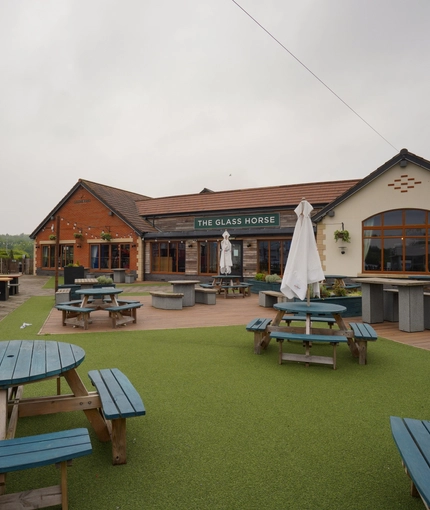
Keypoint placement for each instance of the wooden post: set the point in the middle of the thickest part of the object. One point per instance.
(57, 251)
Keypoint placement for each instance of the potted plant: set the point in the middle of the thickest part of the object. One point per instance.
(343, 235)
(78, 235)
(52, 237)
(106, 236)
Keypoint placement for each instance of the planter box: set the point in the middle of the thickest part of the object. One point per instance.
(352, 304)
(72, 273)
(258, 286)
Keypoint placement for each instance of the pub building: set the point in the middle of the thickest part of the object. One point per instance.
(104, 228)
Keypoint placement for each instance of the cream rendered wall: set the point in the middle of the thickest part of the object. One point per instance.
(377, 196)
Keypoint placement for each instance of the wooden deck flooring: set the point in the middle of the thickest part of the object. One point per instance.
(226, 312)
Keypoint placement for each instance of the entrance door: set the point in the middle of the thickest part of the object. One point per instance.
(236, 256)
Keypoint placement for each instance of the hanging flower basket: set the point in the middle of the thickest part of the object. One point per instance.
(343, 235)
(78, 235)
(106, 236)
(52, 237)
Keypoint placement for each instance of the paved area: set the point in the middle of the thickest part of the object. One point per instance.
(226, 312)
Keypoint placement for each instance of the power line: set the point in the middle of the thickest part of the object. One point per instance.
(314, 75)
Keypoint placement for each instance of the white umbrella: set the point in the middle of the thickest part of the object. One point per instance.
(303, 264)
(225, 261)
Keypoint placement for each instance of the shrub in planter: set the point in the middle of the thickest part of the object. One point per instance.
(273, 278)
(105, 280)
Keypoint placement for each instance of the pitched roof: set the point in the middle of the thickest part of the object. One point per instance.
(317, 193)
(122, 203)
(403, 155)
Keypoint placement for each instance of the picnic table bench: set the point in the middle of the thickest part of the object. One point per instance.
(36, 451)
(412, 438)
(120, 400)
(259, 328)
(124, 313)
(307, 339)
(363, 333)
(317, 318)
(75, 315)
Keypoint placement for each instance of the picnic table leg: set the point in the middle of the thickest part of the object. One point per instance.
(119, 441)
(94, 417)
(351, 344)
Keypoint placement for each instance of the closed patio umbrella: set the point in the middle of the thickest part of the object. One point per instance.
(225, 261)
(303, 266)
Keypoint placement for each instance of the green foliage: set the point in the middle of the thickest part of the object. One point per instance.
(104, 280)
(273, 278)
(19, 244)
(342, 235)
(260, 277)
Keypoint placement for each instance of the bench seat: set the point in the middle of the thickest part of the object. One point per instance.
(120, 400)
(124, 313)
(42, 450)
(412, 438)
(317, 318)
(74, 315)
(268, 298)
(167, 300)
(259, 328)
(206, 296)
(363, 333)
(307, 358)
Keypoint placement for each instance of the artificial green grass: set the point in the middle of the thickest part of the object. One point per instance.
(227, 429)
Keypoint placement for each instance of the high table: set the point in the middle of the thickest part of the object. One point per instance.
(410, 302)
(30, 361)
(187, 288)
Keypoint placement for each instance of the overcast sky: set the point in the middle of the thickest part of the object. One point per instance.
(167, 97)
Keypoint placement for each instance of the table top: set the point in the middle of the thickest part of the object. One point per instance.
(398, 282)
(103, 291)
(313, 307)
(227, 276)
(5, 279)
(420, 277)
(23, 361)
(184, 282)
(89, 281)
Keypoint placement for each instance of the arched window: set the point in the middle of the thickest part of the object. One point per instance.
(397, 241)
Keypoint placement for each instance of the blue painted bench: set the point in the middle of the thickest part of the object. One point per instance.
(124, 313)
(412, 438)
(259, 328)
(75, 315)
(317, 318)
(307, 340)
(363, 333)
(120, 401)
(42, 450)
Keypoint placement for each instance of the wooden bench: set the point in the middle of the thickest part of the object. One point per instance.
(307, 358)
(259, 328)
(74, 315)
(268, 298)
(167, 300)
(120, 401)
(317, 318)
(123, 313)
(363, 333)
(412, 438)
(42, 450)
(206, 296)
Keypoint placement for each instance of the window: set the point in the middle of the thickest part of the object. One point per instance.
(397, 241)
(65, 258)
(110, 256)
(168, 257)
(208, 257)
(272, 256)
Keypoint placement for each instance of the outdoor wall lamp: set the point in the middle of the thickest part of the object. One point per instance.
(78, 246)
(342, 249)
(249, 245)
